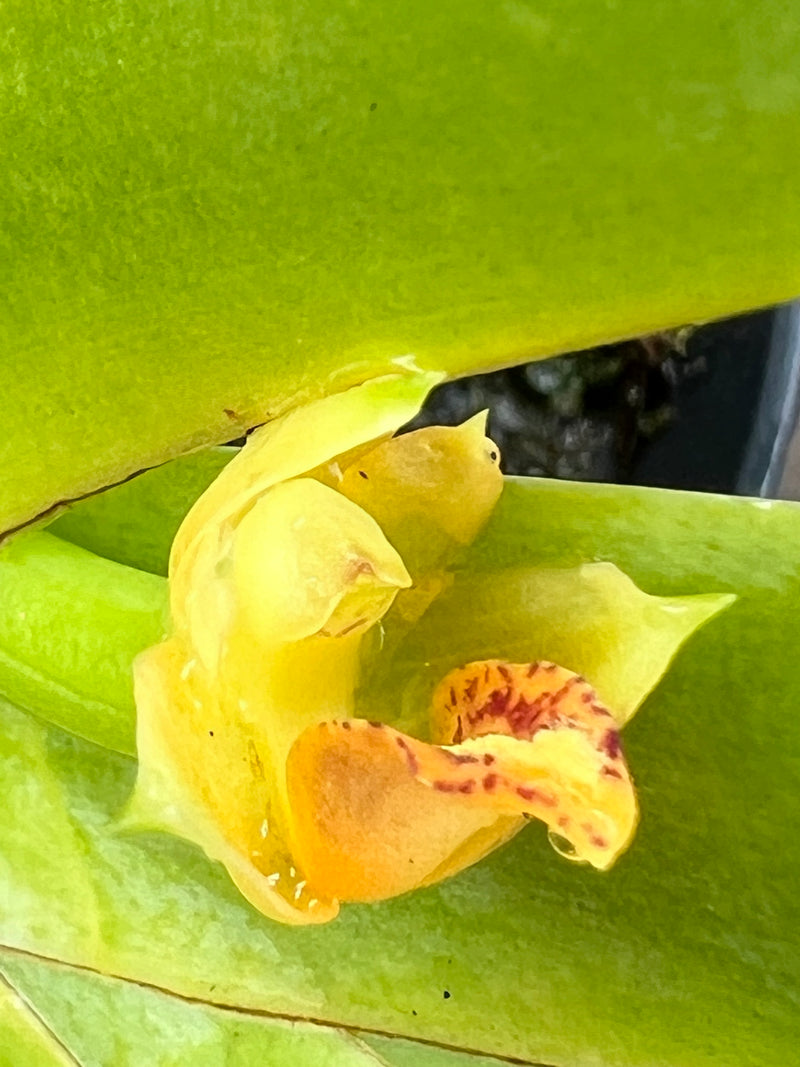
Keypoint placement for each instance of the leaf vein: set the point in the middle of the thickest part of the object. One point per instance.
(261, 1013)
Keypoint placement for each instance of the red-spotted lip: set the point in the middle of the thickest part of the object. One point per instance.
(377, 812)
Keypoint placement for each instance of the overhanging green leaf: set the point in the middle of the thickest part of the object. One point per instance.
(685, 953)
(212, 212)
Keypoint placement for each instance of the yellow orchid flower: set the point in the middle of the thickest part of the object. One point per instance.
(323, 538)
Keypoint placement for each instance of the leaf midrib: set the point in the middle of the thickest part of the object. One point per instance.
(250, 1013)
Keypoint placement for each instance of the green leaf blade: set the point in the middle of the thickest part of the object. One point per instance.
(242, 210)
(686, 953)
(109, 1023)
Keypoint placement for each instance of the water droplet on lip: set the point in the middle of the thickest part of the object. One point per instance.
(564, 847)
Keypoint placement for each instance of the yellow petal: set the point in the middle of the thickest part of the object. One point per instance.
(376, 813)
(269, 646)
(365, 826)
(285, 448)
(200, 777)
(430, 490)
(307, 560)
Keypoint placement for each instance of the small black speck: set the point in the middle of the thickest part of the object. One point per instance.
(210, 733)
(373, 105)
(413, 1012)
(364, 474)
(493, 456)
(446, 994)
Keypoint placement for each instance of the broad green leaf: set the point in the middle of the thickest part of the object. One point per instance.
(105, 1022)
(684, 954)
(215, 210)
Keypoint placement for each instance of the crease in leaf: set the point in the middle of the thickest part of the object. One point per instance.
(127, 1023)
(122, 1024)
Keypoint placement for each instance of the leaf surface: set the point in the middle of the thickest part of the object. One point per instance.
(686, 953)
(104, 1021)
(23, 1037)
(213, 212)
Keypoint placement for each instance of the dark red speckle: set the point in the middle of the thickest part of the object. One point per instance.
(611, 744)
(460, 758)
(611, 772)
(413, 763)
(490, 782)
(533, 795)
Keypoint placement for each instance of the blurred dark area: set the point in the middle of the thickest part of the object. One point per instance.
(708, 408)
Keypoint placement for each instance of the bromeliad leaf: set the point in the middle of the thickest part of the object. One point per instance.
(560, 939)
(210, 218)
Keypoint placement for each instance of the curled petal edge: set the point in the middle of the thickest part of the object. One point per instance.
(376, 812)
